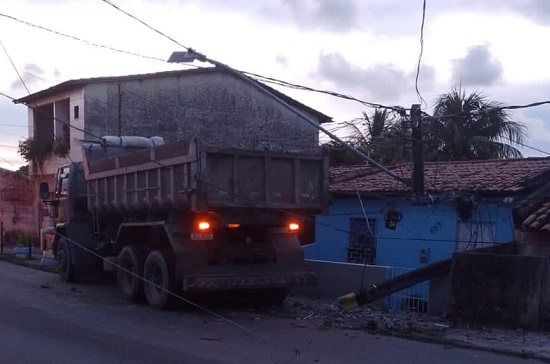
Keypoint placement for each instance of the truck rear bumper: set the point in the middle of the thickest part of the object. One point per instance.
(208, 283)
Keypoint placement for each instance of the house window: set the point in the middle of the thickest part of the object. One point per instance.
(62, 114)
(362, 241)
(43, 122)
(475, 234)
(76, 112)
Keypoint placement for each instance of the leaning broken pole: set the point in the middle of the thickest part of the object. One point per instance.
(387, 287)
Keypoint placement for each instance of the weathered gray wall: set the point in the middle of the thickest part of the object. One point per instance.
(499, 289)
(216, 107)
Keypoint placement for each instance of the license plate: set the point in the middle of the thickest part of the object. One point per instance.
(202, 236)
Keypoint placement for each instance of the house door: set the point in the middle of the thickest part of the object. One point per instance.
(474, 234)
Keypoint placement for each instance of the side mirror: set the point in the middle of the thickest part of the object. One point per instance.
(44, 190)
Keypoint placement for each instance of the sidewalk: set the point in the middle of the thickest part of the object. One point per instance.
(37, 261)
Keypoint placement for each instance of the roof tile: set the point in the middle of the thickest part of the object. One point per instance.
(497, 176)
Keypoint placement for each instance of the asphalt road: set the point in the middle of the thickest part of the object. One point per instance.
(43, 320)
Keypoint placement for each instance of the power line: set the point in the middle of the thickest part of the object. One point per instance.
(259, 77)
(487, 110)
(245, 198)
(79, 39)
(526, 106)
(398, 109)
(33, 75)
(297, 137)
(422, 101)
(15, 125)
(15, 68)
(530, 147)
(184, 47)
(144, 23)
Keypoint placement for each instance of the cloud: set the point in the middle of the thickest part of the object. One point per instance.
(538, 10)
(281, 59)
(538, 130)
(337, 16)
(13, 120)
(31, 74)
(477, 68)
(381, 82)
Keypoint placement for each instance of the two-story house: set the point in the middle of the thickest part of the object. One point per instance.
(197, 103)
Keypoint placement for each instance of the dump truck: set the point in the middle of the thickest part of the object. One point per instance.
(182, 218)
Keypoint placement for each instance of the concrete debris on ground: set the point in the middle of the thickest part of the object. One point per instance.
(327, 314)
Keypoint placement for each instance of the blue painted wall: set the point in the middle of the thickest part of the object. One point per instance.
(433, 227)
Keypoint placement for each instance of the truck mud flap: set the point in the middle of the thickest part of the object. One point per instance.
(246, 281)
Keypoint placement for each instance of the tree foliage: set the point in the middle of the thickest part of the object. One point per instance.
(381, 136)
(468, 127)
(463, 127)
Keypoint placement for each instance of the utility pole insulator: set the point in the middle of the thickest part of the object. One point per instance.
(418, 159)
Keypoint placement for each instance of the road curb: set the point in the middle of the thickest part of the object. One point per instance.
(10, 258)
(442, 340)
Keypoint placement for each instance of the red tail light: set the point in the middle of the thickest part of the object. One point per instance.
(203, 225)
(293, 227)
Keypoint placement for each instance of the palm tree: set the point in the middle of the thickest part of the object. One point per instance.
(466, 127)
(380, 136)
(388, 137)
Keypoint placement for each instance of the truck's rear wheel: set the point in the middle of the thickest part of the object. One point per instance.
(65, 265)
(159, 279)
(131, 261)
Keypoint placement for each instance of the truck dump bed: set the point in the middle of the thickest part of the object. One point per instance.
(187, 175)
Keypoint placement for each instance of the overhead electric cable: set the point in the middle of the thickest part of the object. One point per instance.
(80, 39)
(144, 23)
(15, 68)
(420, 98)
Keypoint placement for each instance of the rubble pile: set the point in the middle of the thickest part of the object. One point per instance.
(369, 318)
(326, 314)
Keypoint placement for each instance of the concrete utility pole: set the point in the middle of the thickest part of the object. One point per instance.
(418, 159)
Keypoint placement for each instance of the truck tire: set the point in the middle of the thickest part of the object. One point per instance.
(159, 279)
(65, 265)
(131, 261)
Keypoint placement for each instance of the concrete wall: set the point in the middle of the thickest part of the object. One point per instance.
(499, 289)
(218, 108)
(439, 291)
(535, 242)
(337, 279)
(433, 228)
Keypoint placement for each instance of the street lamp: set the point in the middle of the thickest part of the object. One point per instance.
(190, 55)
(185, 57)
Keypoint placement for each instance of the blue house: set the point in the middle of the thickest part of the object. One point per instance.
(373, 219)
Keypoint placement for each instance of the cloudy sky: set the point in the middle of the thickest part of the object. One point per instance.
(368, 49)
